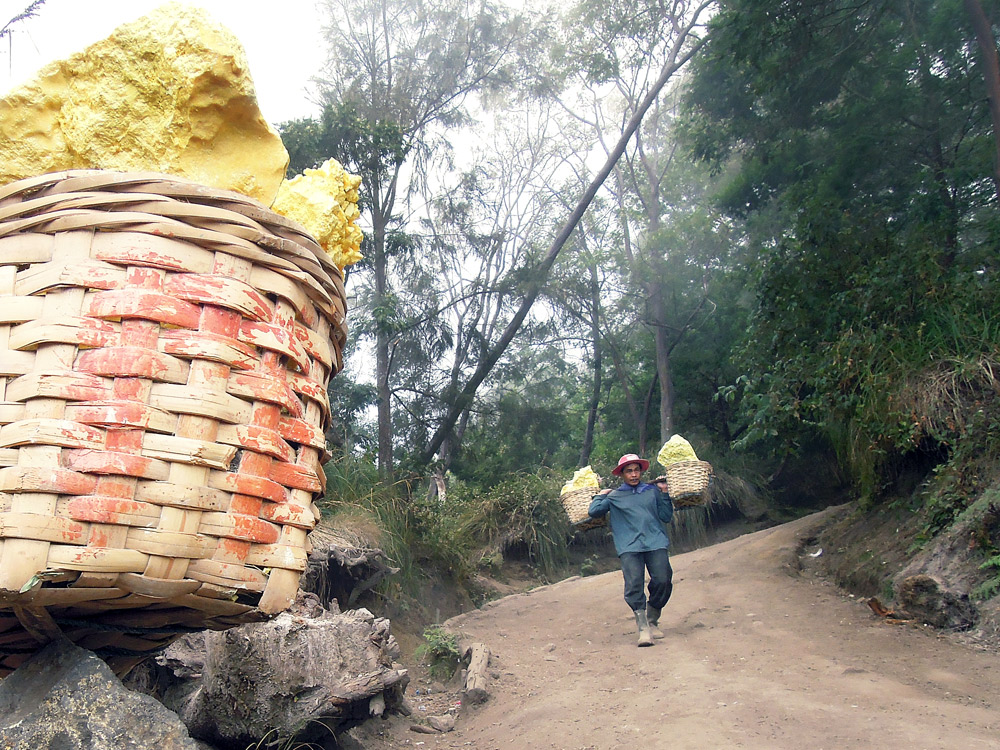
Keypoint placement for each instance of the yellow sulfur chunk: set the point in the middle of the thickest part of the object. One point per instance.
(583, 479)
(674, 450)
(325, 202)
(170, 92)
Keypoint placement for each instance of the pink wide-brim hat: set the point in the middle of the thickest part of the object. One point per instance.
(629, 458)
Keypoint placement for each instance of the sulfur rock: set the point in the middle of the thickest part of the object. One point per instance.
(583, 479)
(676, 449)
(170, 92)
(325, 201)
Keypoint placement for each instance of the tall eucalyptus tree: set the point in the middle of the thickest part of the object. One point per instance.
(409, 66)
(609, 66)
(684, 22)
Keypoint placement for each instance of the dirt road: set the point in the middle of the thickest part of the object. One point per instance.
(758, 654)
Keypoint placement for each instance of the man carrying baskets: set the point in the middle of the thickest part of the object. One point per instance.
(637, 512)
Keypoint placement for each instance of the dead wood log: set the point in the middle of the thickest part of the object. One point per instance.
(478, 655)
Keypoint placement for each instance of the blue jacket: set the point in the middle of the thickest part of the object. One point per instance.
(637, 515)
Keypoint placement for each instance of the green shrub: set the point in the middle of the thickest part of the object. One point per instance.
(440, 651)
(523, 512)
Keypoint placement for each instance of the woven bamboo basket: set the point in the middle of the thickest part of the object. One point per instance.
(576, 503)
(165, 350)
(687, 482)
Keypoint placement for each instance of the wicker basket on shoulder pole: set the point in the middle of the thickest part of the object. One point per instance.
(576, 503)
(687, 482)
(165, 350)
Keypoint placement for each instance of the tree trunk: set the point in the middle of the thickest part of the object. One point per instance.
(662, 362)
(595, 393)
(541, 273)
(991, 73)
(382, 389)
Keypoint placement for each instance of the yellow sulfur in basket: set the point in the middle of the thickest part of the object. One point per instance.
(674, 450)
(687, 477)
(576, 495)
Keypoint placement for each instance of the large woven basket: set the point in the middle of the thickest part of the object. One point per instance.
(688, 481)
(576, 503)
(165, 350)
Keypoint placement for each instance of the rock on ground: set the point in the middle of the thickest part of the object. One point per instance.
(66, 698)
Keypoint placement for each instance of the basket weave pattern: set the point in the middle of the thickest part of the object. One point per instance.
(687, 482)
(165, 350)
(576, 503)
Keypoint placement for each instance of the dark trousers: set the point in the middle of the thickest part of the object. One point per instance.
(634, 567)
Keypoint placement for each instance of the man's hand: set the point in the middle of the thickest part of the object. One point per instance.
(604, 492)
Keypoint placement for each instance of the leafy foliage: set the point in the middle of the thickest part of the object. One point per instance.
(440, 650)
(862, 146)
(521, 512)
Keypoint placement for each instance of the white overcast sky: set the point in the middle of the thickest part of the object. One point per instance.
(281, 39)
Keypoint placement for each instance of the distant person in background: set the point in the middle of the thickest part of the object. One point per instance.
(637, 512)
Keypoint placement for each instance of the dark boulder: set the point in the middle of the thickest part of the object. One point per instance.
(66, 697)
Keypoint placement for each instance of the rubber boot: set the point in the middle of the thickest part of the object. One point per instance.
(645, 637)
(653, 618)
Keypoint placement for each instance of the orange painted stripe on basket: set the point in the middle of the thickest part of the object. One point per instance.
(232, 550)
(43, 479)
(145, 305)
(289, 514)
(301, 432)
(218, 321)
(317, 346)
(239, 526)
(112, 485)
(310, 389)
(257, 439)
(275, 339)
(294, 476)
(246, 484)
(124, 441)
(222, 291)
(122, 414)
(208, 346)
(248, 505)
(110, 462)
(261, 387)
(143, 277)
(112, 510)
(84, 332)
(64, 384)
(133, 361)
(281, 286)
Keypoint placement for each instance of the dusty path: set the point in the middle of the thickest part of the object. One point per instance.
(757, 654)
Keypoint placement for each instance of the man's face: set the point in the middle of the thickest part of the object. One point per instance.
(631, 474)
